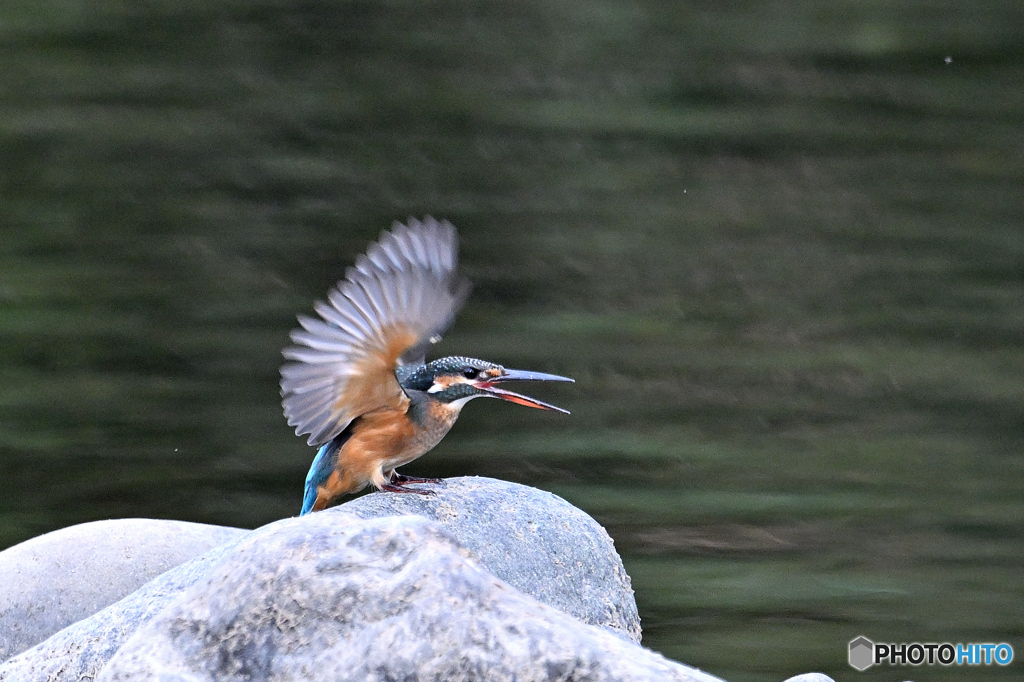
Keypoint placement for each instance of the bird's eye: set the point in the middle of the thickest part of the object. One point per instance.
(469, 372)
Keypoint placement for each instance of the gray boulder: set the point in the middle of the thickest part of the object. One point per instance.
(533, 540)
(333, 597)
(79, 651)
(57, 579)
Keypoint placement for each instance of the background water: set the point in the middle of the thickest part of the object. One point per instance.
(779, 245)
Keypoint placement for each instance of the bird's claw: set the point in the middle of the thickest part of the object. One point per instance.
(402, 479)
(391, 488)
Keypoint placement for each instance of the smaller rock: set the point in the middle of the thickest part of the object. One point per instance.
(79, 651)
(57, 579)
(811, 677)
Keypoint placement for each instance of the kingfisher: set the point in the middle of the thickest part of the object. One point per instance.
(357, 381)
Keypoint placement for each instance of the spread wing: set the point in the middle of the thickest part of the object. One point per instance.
(392, 305)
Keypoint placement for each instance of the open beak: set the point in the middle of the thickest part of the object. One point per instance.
(520, 375)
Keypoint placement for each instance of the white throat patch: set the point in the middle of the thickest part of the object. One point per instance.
(457, 404)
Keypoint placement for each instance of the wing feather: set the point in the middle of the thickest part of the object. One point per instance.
(349, 313)
(322, 343)
(327, 331)
(392, 305)
(335, 319)
(357, 298)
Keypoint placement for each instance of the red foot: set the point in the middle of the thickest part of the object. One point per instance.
(396, 489)
(402, 479)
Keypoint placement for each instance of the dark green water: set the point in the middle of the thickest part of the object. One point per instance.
(780, 247)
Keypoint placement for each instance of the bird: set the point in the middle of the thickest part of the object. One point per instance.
(356, 380)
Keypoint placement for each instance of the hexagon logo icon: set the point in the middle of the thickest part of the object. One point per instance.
(862, 653)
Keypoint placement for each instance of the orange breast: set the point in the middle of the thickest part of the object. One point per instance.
(381, 441)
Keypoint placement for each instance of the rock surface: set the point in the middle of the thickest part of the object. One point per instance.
(57, 579)
(79, 651)
(533, 540)
(362, 591)
(333, 597)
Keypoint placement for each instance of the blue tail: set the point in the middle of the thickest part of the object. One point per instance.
(323, 464)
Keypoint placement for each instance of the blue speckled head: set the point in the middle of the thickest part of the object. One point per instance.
(458, 368)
